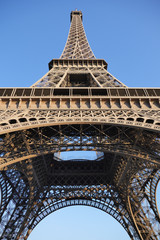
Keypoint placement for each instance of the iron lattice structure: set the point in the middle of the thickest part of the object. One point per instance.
(78, 105)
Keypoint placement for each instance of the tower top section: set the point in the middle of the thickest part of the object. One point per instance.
(77, 66)
(76, 12)
(77, 46)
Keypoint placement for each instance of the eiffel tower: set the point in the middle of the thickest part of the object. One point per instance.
(79, 106)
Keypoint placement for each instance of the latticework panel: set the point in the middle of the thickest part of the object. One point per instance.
(78, 73)
(30, 143)
(77, 106)
(102, 197)
(13, 120)
(116, 183)
(15, 205)
(77, 45)
(142, 203)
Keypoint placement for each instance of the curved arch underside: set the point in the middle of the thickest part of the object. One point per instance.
(105, 197)
(122, 182)
(117, 140)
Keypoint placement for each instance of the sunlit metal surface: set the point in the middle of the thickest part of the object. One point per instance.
(79, 106)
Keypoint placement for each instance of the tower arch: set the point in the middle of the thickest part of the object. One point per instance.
(79, 105)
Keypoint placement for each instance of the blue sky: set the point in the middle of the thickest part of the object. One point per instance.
(125, 33)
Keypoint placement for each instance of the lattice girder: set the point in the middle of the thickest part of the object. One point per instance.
(52, 198)
(16, 206)
(77, 106)
(27, 108)
(77, 45)
(27, 144)
(141, 199)
(92, 73)
(125, 144)
(103, 197)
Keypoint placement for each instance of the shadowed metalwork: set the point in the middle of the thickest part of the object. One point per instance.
(77, 106)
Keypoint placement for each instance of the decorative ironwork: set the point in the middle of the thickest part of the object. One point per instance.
(77, 106)
(77, 46)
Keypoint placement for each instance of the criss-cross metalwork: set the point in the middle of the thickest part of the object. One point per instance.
(77, 46)
(79, 106)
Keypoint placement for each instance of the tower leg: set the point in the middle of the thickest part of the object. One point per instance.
(142, 204)
(15, 202)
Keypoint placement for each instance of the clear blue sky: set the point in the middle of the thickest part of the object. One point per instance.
(126, 33)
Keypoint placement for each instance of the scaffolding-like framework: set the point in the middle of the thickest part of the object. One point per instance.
(78, 105)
